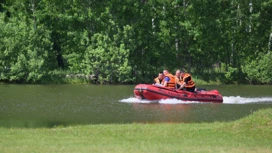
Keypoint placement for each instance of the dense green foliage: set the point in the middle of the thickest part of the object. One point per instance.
(123, 41)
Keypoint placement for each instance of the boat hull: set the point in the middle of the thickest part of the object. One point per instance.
(152, 92)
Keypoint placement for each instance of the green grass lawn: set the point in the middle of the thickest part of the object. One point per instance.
(249, 134)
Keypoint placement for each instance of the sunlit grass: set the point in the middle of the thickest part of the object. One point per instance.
(249, 134)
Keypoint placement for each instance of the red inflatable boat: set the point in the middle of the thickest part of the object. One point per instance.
(152, 92)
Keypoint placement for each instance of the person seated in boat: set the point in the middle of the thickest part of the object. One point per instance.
(158, 81)
(169, 79)
(187, 82)
(178, 80)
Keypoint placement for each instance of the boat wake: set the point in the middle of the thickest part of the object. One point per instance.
(163, 101)
(136, 100)
(246, 100)
(226, 100)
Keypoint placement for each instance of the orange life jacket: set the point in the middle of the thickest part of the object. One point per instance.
(171, 82)
(179, 80)
(157, 80)
(190, 83)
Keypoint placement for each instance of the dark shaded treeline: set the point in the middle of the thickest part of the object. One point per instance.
(123, 41)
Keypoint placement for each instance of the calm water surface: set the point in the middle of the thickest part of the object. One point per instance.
(64, 105)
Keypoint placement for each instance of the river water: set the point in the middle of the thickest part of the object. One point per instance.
(31, 106)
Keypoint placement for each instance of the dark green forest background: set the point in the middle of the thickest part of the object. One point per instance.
(130, 41)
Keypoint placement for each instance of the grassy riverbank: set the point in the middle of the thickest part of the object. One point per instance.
(249, 134)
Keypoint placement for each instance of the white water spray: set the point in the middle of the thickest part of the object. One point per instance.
(245, 100)
(226, 100)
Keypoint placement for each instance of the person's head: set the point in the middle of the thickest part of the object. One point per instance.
(182, 72)
(165, 72)
(160, 76)
(178, 73)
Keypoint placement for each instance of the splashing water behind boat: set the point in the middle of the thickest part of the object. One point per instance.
(246, 100)
(227, 100)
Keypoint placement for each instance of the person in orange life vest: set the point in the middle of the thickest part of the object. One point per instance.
(178, 78)
(158, 81)
(188, 82)
(169, 79)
